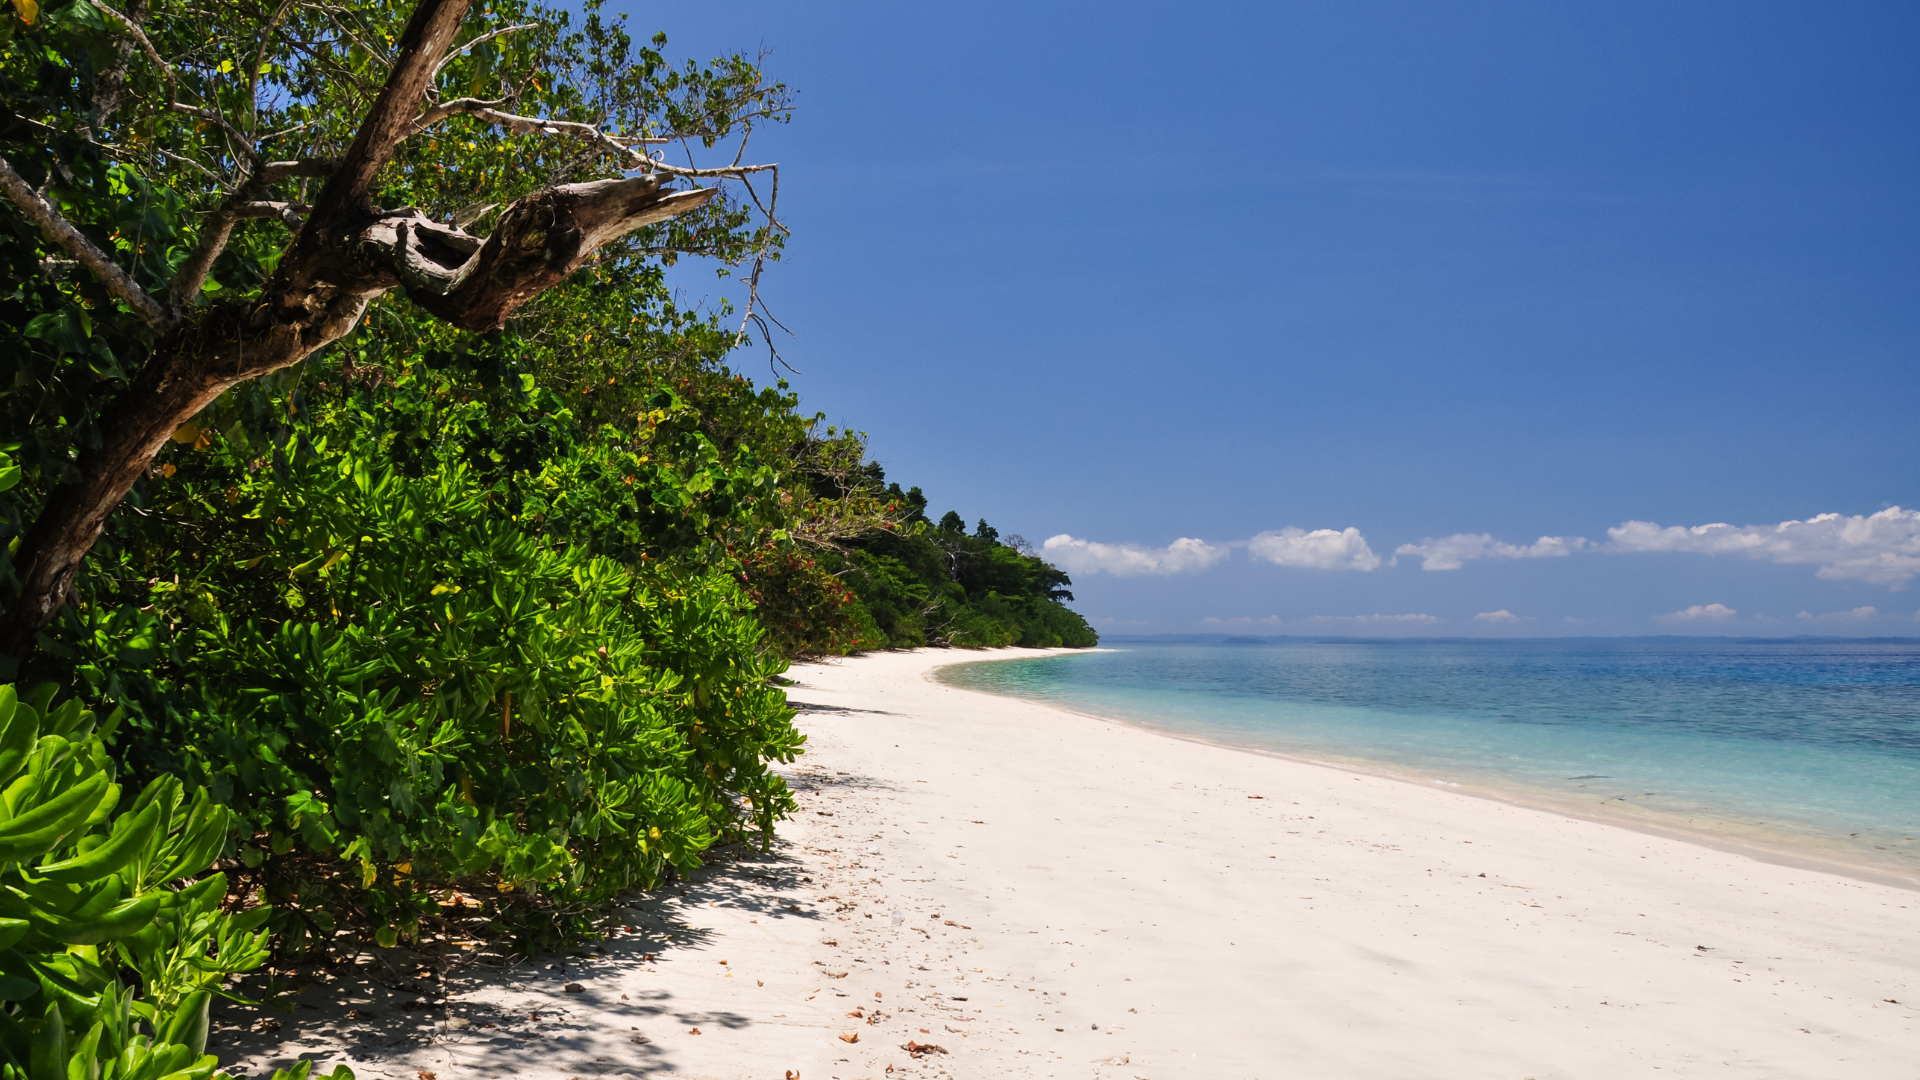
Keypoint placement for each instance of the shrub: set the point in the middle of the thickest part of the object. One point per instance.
(88, 894)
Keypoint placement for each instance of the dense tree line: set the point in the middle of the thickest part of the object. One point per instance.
(429, 565)
(915, 582)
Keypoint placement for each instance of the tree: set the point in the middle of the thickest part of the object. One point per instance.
(231, 187)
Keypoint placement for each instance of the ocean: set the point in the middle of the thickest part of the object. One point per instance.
(1804, 748)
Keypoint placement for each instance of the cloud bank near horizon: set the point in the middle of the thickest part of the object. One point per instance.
(1880, 549)
(1319, 549)
(1453, 552)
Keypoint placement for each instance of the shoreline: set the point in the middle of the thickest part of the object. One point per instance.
(1804, 850)
(980, 886)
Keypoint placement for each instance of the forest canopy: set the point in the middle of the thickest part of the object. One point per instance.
(364, 476)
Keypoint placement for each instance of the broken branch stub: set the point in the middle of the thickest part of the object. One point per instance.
(538, 241)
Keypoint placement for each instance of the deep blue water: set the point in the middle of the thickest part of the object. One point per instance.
(1802, 742)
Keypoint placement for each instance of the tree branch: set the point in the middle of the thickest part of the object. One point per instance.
(527, 125)
(61, 231)
(292, 213)
(275, 171)
(422, 44)
(476, 284)
(139, 35)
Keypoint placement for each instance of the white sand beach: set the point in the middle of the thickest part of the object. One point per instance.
(1043, 894)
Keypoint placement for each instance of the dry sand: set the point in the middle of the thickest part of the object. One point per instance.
(1079, 898)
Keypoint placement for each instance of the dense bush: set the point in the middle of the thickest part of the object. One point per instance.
(89, 896)
(401, 670)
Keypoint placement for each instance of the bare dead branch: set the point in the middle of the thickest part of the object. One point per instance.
(539, 240)
(118, 282)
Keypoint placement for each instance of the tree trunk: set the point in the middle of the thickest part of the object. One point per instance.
(183, 376)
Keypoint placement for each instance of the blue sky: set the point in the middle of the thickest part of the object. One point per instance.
(1133, 273)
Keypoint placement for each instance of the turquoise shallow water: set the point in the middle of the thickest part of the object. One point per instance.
(1807, 746)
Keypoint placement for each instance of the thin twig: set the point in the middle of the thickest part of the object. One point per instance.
(476, 42)
(245, 141)
(260, 56)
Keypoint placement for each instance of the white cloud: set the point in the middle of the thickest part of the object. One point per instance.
(1363, 619)
(1321, 549)
(1451, 552)
(1501, 616)
(1859, 614)
(1184, 556)
(1701, 613)
(1882, 548)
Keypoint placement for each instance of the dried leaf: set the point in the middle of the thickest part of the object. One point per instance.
(851, 1037)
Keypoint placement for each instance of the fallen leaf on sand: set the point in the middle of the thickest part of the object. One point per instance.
(924, 1031)
(791, 1075)
(858, 1012)
(423, 1074)
(1118, 1059)
(920, 1049)
(852, 1037)
(836, 974)
(693, 1031)
(573, 988)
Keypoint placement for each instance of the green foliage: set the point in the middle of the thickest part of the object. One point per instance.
(401, 671)
(909, 583)
(95, 888)
(139, 178)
